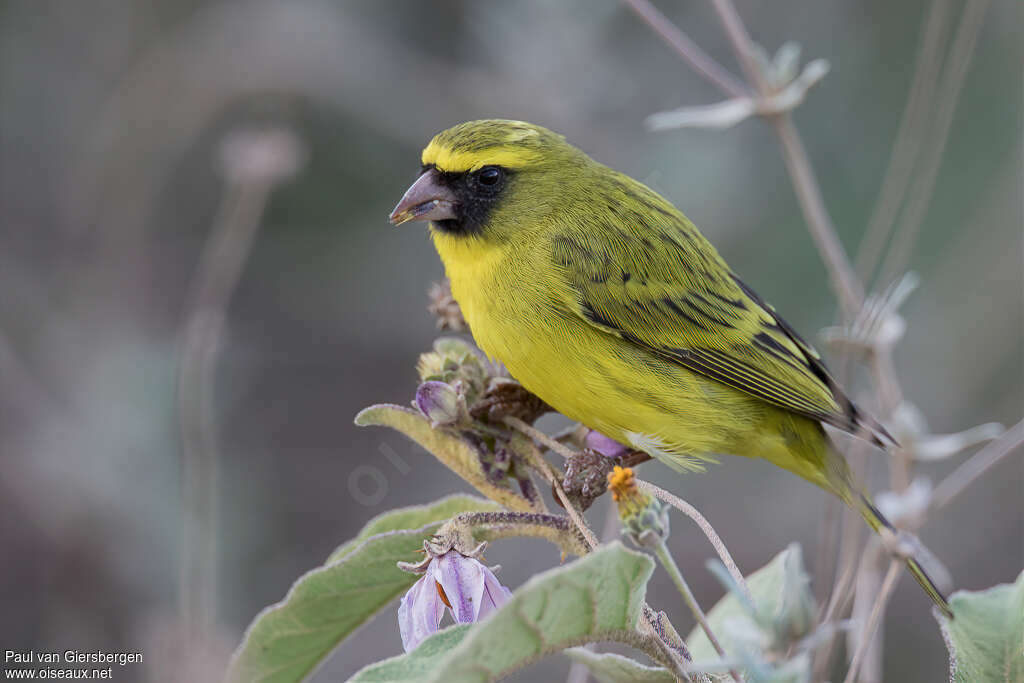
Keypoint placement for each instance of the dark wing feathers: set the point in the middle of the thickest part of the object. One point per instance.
(664, 287)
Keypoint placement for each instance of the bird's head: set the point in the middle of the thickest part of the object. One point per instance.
(486, 179)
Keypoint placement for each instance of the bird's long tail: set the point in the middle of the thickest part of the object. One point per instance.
(833, 474)
(878, 522)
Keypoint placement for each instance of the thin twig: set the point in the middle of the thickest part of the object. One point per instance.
(909, 138)
(888, 583)
(540, 464)
(840, 594)
(850, 532)
(540, 437)
(701, 62)
(217, 276)
(669, 563)
(921, 192)
(953, 485)
(844, 281)
(741, 43)
(544, 468)
(253, 162)
(709, 531)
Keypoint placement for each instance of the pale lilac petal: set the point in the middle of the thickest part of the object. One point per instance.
(495, 595)
(420, 612)
(463, 583)
(439, 402)
(596, 441)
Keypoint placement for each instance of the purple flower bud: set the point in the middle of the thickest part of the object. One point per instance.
(440, 403)
(596, 441)
(467, 587)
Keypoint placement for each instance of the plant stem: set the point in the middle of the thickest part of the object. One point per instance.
(909, 140)
(537, 461)
(540, 437)
(945, 108)
(888, 583)
(962, 477)
(669, 563)
(848, 289)
(701, 62)
(490, 526)
(218, 274)
(709, 531)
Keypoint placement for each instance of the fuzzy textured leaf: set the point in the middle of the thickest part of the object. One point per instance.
(409, 668)
(612, 668)
(288, 640)
(598, 597)
(985, 638)
(415, 516)
(456, 453)
(766, 587)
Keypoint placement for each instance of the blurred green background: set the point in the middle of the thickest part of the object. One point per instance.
(112, 117)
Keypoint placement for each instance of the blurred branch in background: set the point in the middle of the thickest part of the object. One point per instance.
(942, 109)
(769, 78)
(870, 626)
(767, 87)
(252, 163)
(909, 139)
(964, 475)
(702, 63)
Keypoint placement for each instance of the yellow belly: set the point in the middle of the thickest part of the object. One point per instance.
(620, 389)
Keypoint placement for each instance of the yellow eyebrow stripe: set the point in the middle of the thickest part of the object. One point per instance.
(458, 161)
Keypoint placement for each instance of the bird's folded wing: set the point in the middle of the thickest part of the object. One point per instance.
(665, 288)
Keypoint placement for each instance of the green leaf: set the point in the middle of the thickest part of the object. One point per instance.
(613, 668)
(985, 638)
(598, 597)
(779, 590)
(288, 640)
(453, 451)
(409, 668)
(415, 516)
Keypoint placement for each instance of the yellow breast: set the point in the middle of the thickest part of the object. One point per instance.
(511, 301)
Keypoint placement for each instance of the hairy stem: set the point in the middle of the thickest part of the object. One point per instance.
(489, 526)
(669, 563)
(537, 461)
(709, 531)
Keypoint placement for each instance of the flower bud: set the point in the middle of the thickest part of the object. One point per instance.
(440, 403)
(644, 519)
(452, 360)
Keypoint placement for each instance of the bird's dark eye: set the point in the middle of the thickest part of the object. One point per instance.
(489, 176)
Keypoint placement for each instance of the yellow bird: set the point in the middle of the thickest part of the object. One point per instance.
(604, 300)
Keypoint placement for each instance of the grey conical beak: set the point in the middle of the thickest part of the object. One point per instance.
(426, 200)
